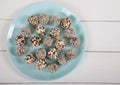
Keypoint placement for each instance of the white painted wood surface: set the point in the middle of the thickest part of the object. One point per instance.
(101, 22)
(86, 9)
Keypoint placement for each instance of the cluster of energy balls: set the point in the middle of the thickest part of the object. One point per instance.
(52, 40)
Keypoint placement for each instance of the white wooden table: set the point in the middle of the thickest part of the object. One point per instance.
(101, 62)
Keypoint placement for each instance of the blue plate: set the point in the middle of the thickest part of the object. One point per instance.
(21, 21)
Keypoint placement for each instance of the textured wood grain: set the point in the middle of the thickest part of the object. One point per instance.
(85, 9)
(94, 67)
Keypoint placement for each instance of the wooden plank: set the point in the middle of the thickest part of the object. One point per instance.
(94, 67)
(4, 26)
(85, 9)
(101, 36)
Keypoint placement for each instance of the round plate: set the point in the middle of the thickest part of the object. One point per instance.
(21, 21)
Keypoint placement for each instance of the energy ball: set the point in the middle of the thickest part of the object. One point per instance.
(20, 40)
(33, 20)
(69, 33)
(54, 32)
(35, 41)
(20, 50)
(62, 60)
(41, 53)
(43, 18)
(75, 42)
(60, 44)
(71, 54)
(53, 67)
(65, 23)
(55, 20)
(40, 30)
(41, 64)
(48, 41)
(52, 53)
(29, 58)
(25, 32)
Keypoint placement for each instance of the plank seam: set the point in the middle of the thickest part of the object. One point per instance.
(83, 20)
(88, 51)
(20, 83)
